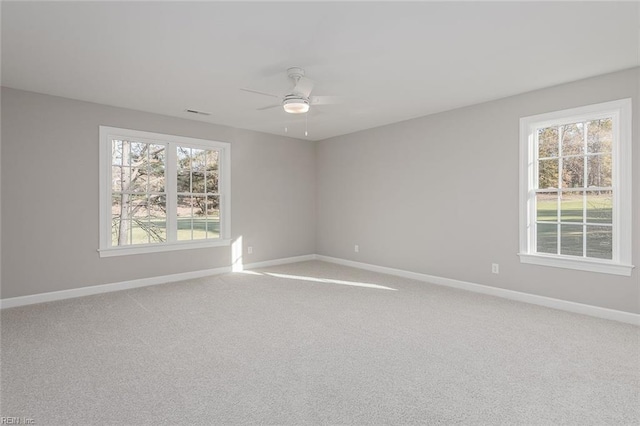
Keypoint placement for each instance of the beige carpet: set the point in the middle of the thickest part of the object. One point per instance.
(314, 343)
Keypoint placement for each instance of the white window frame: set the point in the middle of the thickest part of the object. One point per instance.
(107, 134)
(620, 111)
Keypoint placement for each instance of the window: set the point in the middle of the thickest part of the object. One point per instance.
(575, 196)
(161, 192)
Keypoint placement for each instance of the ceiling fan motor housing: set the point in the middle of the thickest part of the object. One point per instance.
(295, 73)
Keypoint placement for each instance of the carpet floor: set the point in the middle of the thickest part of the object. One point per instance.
(314, 343)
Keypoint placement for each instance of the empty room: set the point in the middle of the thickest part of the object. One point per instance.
(320, 212)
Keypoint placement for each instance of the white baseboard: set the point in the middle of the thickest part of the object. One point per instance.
(106, 288)
(282, 261)
(12, 302)
(595, 311)
(549, 302)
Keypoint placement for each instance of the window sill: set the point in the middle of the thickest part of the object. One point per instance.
(156, 248)
(581, 264)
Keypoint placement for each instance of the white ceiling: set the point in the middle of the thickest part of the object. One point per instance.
(390, 61)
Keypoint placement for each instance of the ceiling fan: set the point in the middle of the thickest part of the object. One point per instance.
(298, 99)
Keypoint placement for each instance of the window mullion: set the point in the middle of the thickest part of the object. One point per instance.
(532, 194)
(619, 180)
(585, 184)
(223, 192)
(171, 191)
(559, 203)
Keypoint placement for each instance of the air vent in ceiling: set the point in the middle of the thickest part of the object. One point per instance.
(194, 111)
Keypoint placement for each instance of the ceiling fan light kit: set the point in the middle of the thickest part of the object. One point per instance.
(296, 105)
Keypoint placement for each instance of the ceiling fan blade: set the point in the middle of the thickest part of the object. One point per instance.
(304, 86)
(325, 100)
(268, 107)
(261, 93)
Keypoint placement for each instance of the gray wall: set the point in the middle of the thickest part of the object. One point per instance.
(50, 195)
(409, 194)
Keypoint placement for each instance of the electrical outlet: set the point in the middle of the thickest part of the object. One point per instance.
(250, 250)
(356, 248)
(495, 268)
